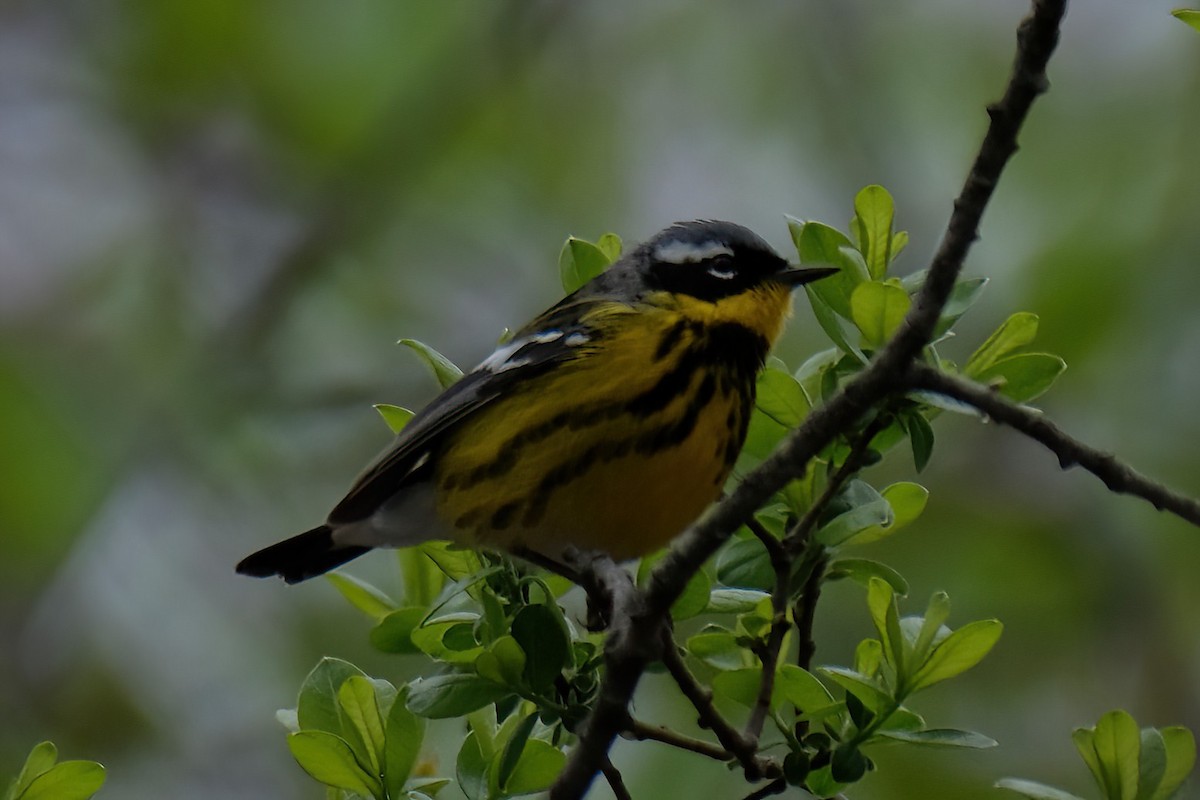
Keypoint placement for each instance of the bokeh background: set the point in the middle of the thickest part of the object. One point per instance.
(217, 218)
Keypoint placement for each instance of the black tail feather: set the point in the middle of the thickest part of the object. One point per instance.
(302, 557)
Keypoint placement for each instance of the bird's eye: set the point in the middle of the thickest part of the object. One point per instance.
(722, 267)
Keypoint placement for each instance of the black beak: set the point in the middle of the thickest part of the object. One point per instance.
(793, 276)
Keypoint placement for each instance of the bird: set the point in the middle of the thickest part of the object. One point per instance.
(608, 423)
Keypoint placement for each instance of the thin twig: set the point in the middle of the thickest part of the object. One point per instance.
(615, 781)
(797, 541)
(657, 733)
(799, 536)
(770, 653)
(744, 750)
(626, 657)
(1118, 476)
(804, 612)
(773, 547)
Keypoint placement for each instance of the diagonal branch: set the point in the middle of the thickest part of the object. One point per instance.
(1118, 476)
(625, 656)
(743, 748)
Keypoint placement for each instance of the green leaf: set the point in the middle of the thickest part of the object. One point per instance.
(920, 437)
(503, 662)
(1117, 744)
(362, 595)
(742, 686)
(733, 601)
(610, 244)
(1180, 746)
(444, 370)
(513, 748)
(1023, 377)
(936, 614)
(877, 309)
(318, 708)
(964, 294)
(393, 633)
(452, 695)
(1033, 790)
(330, 760)
(821, 783)
(456, 562)
(868, 657)
(872, 225)
(450, 638)
(1015, 332)
(745, 563)
(958, 652)
(1152, 763)
(857, 507)
(881, 600)
(66, 780)
(903, 720)
(1187, 15)
(545, 642)
(831, 323)
(848, 764)
(472, 769)
(421, 577)
(942, 737)
(780, 397)
(404, 733)
(907, 500)
(396, 417)
(40, 759)
(861, 570)
(818, 244)
(802, 689)
(536, 770)
(579, 261)
(718, 648)
(869, 691)
(423, 788)
(356, 696)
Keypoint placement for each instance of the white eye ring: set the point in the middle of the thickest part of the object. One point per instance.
(724, 273)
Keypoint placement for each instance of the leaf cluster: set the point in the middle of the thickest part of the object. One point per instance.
(523, 675)
(44, 777)
(1126, 763)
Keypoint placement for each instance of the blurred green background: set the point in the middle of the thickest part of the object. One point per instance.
(216, 219)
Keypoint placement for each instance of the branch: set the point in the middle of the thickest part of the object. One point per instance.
(743, 749)
(1118, 476)
(626, 655)
(1036, 39)
(657, 733)
(615, 781)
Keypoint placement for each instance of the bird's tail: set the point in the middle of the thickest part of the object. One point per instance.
(301, 557)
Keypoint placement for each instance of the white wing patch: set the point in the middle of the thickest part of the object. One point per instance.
(691, 252)
(502, 360)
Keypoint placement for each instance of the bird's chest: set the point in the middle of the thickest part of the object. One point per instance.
(617, 454)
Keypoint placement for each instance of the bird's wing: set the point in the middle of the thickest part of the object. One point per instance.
(553, 338)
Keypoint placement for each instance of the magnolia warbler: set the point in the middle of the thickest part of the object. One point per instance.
(607, 423)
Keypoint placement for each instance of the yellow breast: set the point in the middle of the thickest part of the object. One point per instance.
(617, 450)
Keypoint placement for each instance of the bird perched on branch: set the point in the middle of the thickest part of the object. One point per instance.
(607, 423)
